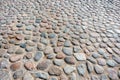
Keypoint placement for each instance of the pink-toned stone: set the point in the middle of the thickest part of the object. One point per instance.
(15, 66)
(60, 56)
(15, 58)
(29, 65)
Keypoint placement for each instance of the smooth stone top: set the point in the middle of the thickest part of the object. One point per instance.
(67, 51)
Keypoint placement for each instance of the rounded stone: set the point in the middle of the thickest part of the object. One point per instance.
(51, 56)
(38, 55)
(99, 69)
(15, 58)
(101, 61)
(111, 63)
(54, 70)
(15, 66)
(18, 74)
(48, 50)
(60, 56)
(58, 62)
(70, 60)
(44, 64)
(80, 56)
(67, 51)
(67, 43)
(96, 55)
(69, 69)
(29, 65)
(19, 51)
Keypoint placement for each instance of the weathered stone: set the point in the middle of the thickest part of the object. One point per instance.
(111, 63)
(18, 74)
(57, 49)
(58, 62)
(69, 69)
(95, 55)
(70, 60)
(76, 49)
(80, 56)
(67, 43)
(112, 73)
(15, 58)
(91, 59)
(99, 69)
(101, 61)
(29, 65)
(51, 56)
(19, 51)
(81, 69)
(89, 66)
(15, 66)
(67, 51)
(44, 64)
(38, 55)
(41, 75)
(54, 70)
(48, 50)
(60, 56)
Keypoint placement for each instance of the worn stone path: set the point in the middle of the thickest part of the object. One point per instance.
(59, 39)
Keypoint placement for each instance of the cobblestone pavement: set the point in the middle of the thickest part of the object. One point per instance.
(59, 39)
